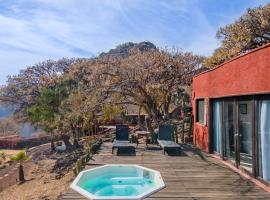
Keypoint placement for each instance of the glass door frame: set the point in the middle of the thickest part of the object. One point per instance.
(235, 101)
(235, 132)
(258, 98)
(253, 137)
(211, 147)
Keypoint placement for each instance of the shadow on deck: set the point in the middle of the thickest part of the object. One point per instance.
(190, 175)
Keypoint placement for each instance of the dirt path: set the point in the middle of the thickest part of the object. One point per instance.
(9, 175)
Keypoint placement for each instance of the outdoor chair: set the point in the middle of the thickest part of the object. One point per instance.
(122, 138)
(165, 138)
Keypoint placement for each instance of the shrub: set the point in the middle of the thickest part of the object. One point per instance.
(95, 147)
(21, 156)
(80, 165)
(3, 156)
(91, 148)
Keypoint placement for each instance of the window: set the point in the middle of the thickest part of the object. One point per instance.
(200, 111)
(217, 127)
(264, 139)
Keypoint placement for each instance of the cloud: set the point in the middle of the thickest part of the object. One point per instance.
(35, 30)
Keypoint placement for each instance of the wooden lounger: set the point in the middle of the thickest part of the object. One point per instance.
(165, 137)
(165, 145)
(122, 144)
(122, 138)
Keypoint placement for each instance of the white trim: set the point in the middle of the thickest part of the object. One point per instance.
(159, 181)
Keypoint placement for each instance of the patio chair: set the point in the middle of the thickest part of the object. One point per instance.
(165, 138)
(122, 138)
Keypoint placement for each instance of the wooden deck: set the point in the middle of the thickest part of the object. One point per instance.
(188, 176)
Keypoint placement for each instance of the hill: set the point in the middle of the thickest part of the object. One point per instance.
(123, 50)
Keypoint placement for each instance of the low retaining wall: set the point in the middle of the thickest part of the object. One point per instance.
(19, 143)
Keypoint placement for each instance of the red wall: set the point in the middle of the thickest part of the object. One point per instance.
(246, 74)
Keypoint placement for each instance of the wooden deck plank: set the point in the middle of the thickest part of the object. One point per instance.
(186, 177)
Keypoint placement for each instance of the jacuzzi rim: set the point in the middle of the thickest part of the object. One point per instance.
(86, 194)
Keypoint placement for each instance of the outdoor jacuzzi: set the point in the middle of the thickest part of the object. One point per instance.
(118, 182)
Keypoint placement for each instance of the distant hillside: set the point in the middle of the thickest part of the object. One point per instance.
(25, 129)
(123, 50)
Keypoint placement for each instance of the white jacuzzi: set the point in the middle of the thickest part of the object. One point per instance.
(118, 182)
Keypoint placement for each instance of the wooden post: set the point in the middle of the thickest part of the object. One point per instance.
(175, 134)
(190, 127)
(183, 131)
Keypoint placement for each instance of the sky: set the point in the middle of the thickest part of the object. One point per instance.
(32, 31)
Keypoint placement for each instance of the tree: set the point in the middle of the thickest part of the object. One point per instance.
(43, 112)
(22, 90)
(79, 113)
(110, 111)
(250, 31)
(20, 157)
(150, 80)
(8, 126)
(76, 98)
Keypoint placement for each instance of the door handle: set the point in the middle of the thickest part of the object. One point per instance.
(236, 134)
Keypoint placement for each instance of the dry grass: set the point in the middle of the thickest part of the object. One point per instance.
(9, 153)
(41, 184)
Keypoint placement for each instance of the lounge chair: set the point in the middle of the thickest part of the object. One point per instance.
(122, 138)
(165, 138)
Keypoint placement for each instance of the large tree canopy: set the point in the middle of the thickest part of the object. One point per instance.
(44, 111)
(75, 96)
(151, 80)
(250, 31)
(24, 89)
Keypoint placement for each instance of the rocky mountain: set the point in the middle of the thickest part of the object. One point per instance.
(123, 50)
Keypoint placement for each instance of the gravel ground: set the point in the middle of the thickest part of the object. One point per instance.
(40, 184)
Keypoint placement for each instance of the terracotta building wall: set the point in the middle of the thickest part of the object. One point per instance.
(246, 74)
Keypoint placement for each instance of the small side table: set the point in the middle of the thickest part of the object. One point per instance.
(142, 134)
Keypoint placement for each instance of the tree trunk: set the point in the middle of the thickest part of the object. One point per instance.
(76, 144)
(183, 131)
(139, 117)
(21, 174)
(65, 139)
(52, 143)
(166, 106)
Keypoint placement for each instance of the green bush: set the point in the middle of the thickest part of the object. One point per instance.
(80, 165)
(21, 156)
(91, 148)
(88, 158)
(95, 147)
(75, 171)
(100, 141)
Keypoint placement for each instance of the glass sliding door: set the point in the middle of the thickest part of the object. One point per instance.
(230, 143)
(217, 127)
(240, 132)
(264, 139)
(245, 114)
